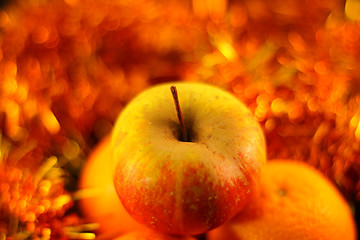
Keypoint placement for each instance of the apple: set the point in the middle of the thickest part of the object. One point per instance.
(151, 235)
(98, 201)
(186, 183)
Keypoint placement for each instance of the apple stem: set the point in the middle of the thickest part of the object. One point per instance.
(184, 136)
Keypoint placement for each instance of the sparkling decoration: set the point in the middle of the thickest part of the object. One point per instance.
(67, 68)
(33, 203)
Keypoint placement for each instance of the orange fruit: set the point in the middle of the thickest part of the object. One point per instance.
(151, 235)
(295, 202)
(100, 202)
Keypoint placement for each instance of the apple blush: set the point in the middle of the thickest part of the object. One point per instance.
(188, 168)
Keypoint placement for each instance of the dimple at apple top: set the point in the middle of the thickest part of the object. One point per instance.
(68, 67)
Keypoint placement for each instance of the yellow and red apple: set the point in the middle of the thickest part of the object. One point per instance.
(100, 203)
(186, 186)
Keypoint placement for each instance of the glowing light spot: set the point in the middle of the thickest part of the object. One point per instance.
(46, 232)
(226, 49)
(352, 9)
(60, 201)
(355, 120)
(10, 85)
(13, 129)
(82, 228)
(260, 112)
(41, 35)
(44, 187)
(278, 106)
(50, 122)
(84, 236)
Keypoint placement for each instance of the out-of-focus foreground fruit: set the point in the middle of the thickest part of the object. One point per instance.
(100, 203)
(294, 202)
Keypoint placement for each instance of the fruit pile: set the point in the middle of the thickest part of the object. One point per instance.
(68, 68)
(207, 183)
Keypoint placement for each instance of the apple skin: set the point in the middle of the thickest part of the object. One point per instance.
(104, 207)
(180, 187)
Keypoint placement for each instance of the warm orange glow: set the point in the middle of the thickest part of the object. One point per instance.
(68, 67)
(357, 131)
(50, 121)
(278, 106)
(226, 49)
(352, 9)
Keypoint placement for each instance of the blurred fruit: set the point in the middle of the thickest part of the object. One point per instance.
(294, 202)
(100, 203)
